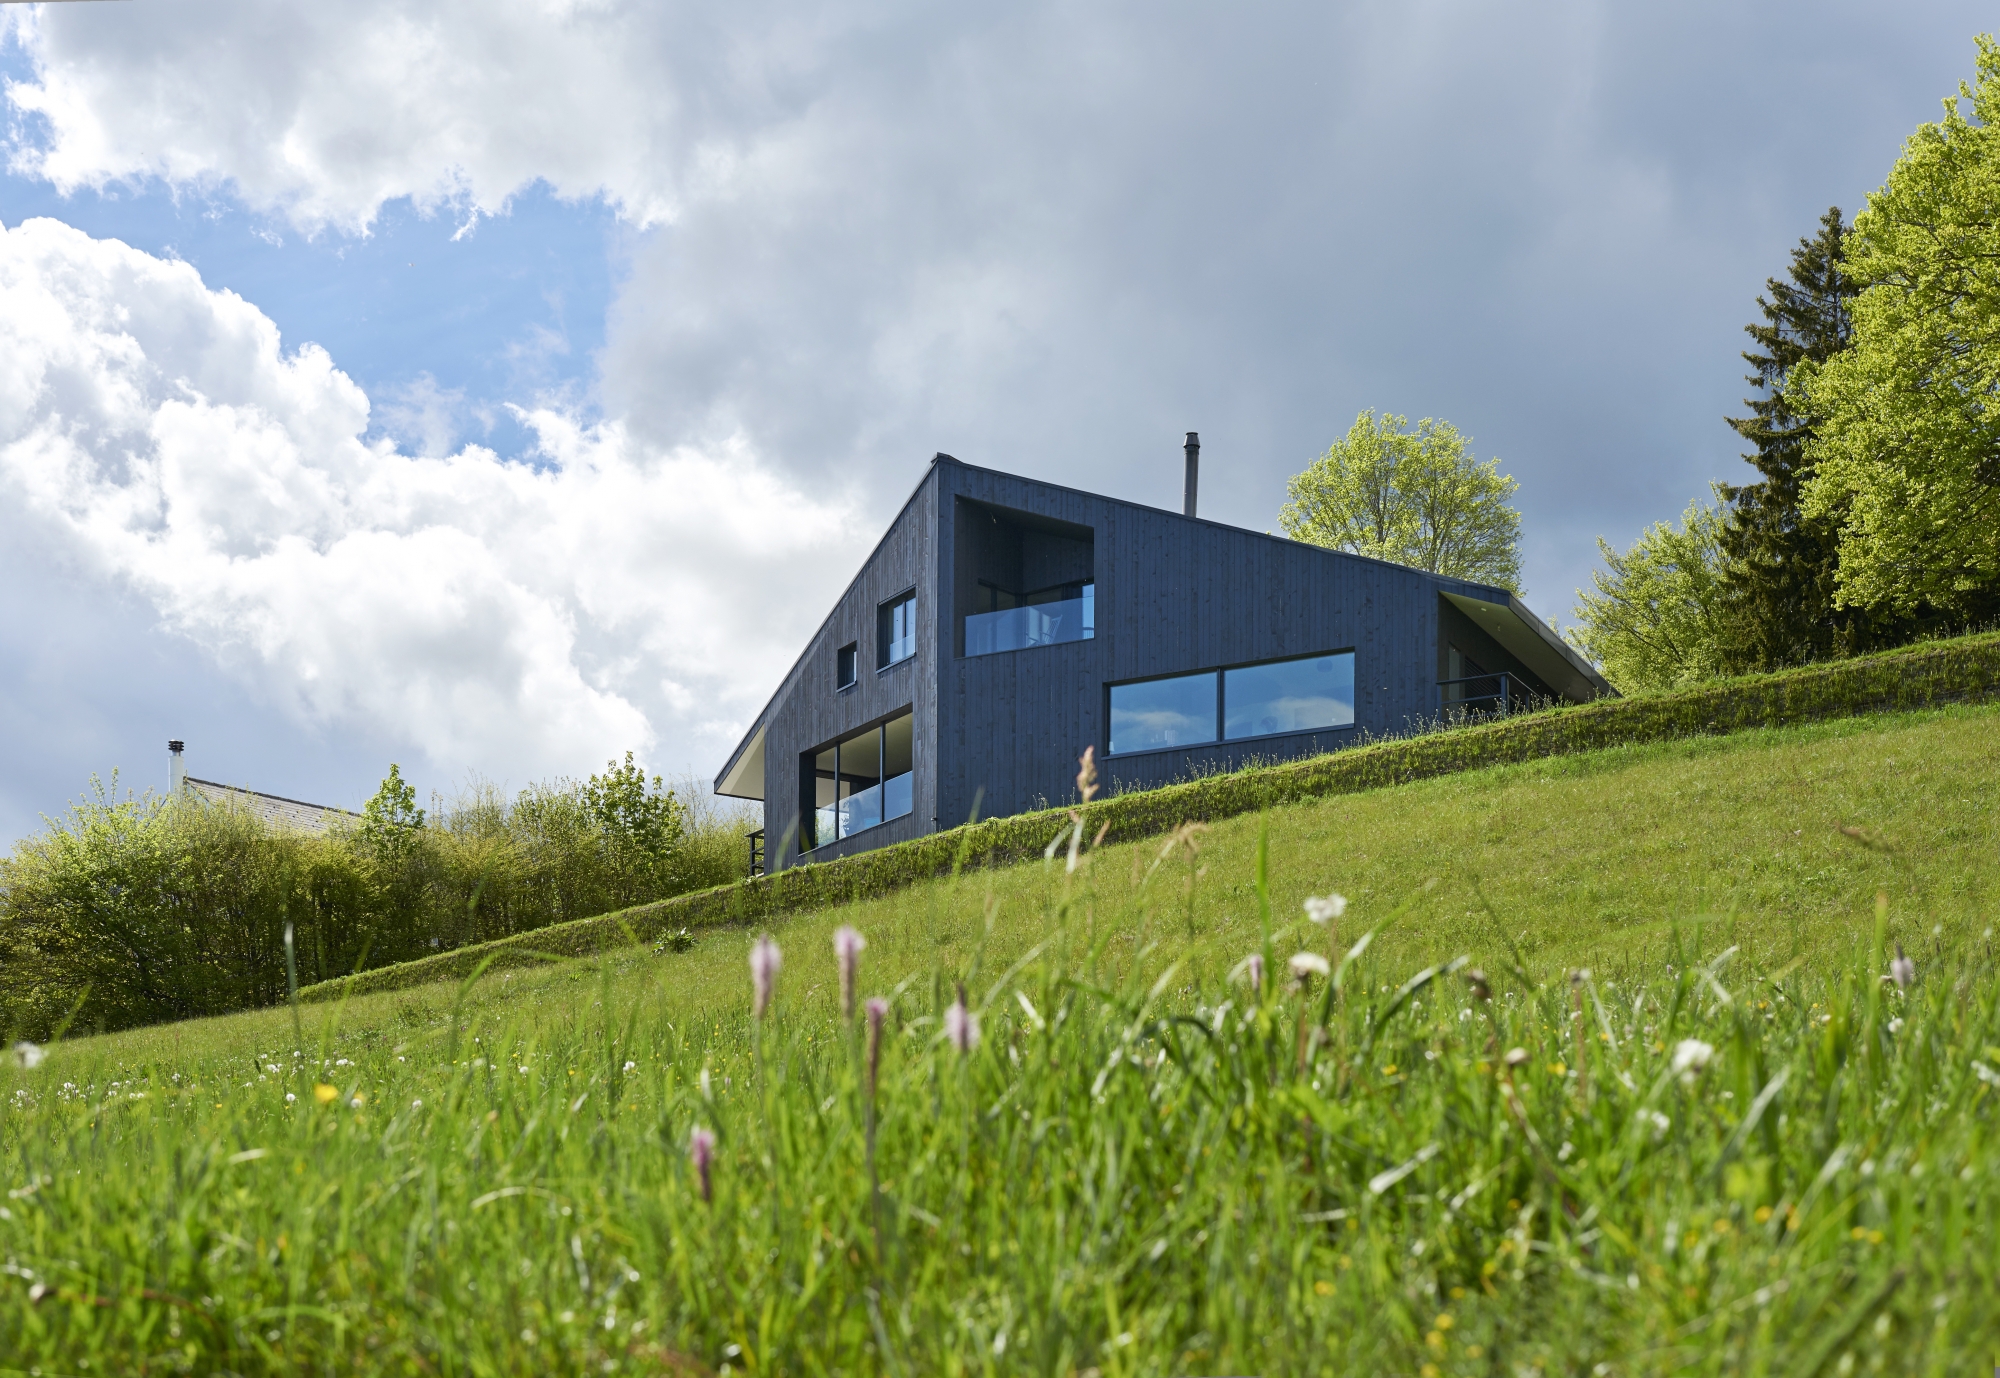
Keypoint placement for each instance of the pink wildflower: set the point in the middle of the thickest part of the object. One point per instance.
(764, 963)
(961, 1025)
(701, 1151)
(847, 945)
(878, 1010)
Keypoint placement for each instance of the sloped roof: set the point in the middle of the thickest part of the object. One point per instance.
(273, 809)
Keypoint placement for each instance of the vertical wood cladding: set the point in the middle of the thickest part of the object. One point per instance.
(808, 713)
(1173, 595)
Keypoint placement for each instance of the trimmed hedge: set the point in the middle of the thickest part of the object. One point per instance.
(1913, 677)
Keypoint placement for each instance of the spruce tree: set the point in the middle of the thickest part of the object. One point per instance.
(1780, 574)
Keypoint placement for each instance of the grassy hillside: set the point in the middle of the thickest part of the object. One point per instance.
(1143, 1167)
(1592, 859)
(1962, 670)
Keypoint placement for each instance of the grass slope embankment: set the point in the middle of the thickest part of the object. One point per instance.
(1966, 669)
(1735, 1147)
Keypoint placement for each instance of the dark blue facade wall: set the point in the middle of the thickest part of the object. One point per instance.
(1172, 595)
(808, 712)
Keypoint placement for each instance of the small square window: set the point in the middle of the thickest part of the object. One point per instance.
(896, 630)
(846, 665)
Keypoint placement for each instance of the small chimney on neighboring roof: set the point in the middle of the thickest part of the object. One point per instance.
(1193, 448)
(177, 767)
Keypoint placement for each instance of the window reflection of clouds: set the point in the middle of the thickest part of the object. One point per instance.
(1288, 696)
(1163, 712)
(1308, 694)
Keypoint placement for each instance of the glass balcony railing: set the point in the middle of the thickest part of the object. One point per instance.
(865, 808)
(1038, 624)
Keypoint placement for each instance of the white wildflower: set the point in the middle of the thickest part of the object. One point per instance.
(1902, 971)
(1324, 909)
(1691, 1058)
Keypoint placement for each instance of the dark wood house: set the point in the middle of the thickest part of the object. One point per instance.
(1002, 625)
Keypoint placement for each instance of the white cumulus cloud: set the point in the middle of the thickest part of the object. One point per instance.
(519, 616)
(325, 112)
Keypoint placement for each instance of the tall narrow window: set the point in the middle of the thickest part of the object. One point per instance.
(896, 630)
(845, 669)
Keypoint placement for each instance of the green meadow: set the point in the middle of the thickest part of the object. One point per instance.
(1606, 1073)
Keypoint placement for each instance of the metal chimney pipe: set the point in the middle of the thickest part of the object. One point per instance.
(1193, 448)
(176, 768)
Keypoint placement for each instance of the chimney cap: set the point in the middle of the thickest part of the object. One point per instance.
(176, 746)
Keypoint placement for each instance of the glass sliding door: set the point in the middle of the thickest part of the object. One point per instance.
(860, 782)
(899, 760)
(826, 795)
(864, 780)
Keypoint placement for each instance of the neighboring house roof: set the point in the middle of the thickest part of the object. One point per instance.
(272, 808)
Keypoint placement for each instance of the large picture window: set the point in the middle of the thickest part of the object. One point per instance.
(1157, 713)
(1270, 699)
(863, 780)
(1288, 696)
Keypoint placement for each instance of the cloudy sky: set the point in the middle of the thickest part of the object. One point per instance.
(495, 385)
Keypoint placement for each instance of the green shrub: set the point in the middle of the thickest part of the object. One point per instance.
(136, 911)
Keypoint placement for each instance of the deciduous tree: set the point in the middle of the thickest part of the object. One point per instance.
(1659, 614)
(1414, 496)
(1906, 441)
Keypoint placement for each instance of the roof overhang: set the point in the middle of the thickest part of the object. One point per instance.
(743, 778)
(1535, 644)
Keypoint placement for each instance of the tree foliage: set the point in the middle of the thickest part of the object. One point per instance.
(1906, 441)
(1660, 615)
(1415, 497)
(391, 820)
(641, 824)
